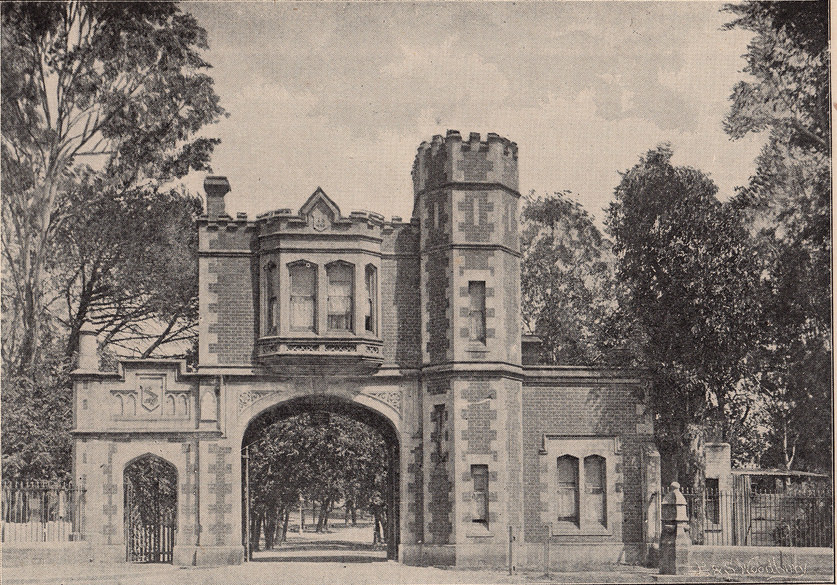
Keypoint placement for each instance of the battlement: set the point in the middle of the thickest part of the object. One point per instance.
(451, 159)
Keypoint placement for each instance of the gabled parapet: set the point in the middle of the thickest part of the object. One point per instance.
(319, 214)
(144, 395)
(453, 160)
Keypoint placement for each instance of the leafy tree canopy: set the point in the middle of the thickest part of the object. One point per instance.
(296, 458)
(37, 413)
(119, 85)
(567, 279)
(788, 57)
(788, 203)
(691, 296)
(127, 263)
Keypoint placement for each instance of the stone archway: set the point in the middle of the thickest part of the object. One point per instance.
(319, 404)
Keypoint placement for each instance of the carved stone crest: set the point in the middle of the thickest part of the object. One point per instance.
(151, 394)
(319, 220)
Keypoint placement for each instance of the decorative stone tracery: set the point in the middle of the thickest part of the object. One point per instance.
(391, 398)
(248, 397)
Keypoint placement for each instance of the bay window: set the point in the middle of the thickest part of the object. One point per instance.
(340, 286)
(371, 299)
(303, 277)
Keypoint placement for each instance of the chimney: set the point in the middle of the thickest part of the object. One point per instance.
(88, 348)
(215, 189)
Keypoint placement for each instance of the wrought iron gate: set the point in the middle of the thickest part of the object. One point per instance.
(149, 537)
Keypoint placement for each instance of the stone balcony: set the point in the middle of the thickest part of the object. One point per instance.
(321, 355)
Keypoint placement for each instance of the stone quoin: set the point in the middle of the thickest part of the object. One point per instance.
(413, 327)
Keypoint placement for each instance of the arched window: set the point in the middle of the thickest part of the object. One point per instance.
(595, 488)
(272, 300)
(303, 277)
(209, 406)
(568, 489)
(371, 298)
(340, 286)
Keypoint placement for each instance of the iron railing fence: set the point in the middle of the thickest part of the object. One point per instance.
(41, 511)
(796, 517)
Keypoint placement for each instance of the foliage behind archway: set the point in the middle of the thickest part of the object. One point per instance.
(320, 457)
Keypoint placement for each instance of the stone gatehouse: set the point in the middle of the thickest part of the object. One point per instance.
(413, 327)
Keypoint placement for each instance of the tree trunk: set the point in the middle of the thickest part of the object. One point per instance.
(696, 455)
(29, 321)
(328, 510)
(354, 516)
(269, 527)
(319, 517)
(285, 524)
(323, 519)
(788, 452)
(277, 532)
(255, 530)
(33, 251)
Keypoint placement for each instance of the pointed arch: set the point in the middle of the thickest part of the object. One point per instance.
(150, 508)
(209, 405)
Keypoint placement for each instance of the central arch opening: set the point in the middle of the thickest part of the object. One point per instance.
(320, 482)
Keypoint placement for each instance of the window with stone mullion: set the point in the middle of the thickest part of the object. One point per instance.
(340, 285)
(303, 297)
(568, 489)
(595, 488)
(371, 299)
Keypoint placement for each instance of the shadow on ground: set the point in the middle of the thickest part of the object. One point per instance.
(322, 550)
(346, 559)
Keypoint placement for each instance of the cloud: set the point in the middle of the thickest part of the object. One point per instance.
(340, 95)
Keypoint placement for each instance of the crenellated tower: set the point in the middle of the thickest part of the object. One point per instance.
(466, 201)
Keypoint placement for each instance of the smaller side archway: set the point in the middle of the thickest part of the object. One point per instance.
(150, 509)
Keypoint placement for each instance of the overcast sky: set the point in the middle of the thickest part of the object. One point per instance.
(340, 95)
